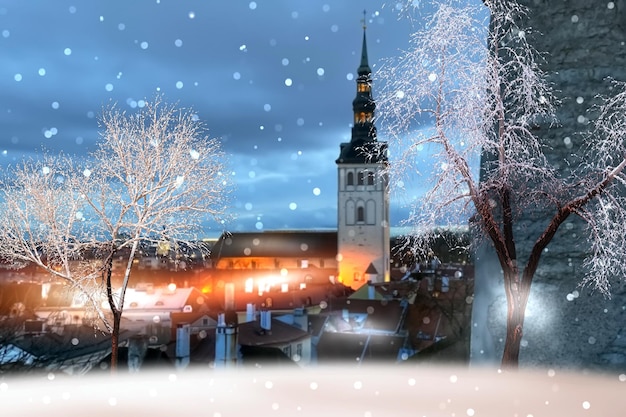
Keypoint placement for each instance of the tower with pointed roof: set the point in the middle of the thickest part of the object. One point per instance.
(363, 196)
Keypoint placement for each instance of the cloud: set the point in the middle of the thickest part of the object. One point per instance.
(226, 60)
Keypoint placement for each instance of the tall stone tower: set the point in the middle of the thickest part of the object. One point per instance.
(363, 195)
(566, 326)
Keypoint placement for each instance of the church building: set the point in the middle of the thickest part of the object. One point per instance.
(363, 192)
(358, 252)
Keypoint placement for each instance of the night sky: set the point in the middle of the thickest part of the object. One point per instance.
(274, 79)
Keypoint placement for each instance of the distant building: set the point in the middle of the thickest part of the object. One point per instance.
(274, 261)
(358, 251)
(149, 311)
(154, 312)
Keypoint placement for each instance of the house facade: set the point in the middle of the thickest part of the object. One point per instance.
(274, 261)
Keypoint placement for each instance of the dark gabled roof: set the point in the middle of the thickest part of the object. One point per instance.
(154, 359)
(75, 341)
(388, 290)
(317, 323)
(251, 334)
(371, 269)
(258, 356)
(358, 347)
(384, 315)
(202, 350)
(275, 244)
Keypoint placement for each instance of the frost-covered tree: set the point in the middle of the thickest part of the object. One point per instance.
(469, 89)
(154, 177)
(41, 223)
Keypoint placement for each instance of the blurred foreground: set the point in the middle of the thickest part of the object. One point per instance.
(331, 391)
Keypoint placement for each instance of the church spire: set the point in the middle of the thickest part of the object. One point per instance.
(364, 68)
(363, 104)
(363, 145)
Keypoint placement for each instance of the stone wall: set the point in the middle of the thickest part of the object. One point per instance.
(566, 326)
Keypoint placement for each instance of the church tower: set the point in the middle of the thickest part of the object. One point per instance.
(363, 196)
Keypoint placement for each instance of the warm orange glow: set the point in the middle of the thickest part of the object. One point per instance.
(206, 289)
(352, 269)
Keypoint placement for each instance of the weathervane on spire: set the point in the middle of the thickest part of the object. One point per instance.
(364, 19)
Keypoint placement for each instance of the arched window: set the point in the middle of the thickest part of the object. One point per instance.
(361, 180)
(350, 178)
(370, 178)
(350, 212)
(370, 211)
(360, 214)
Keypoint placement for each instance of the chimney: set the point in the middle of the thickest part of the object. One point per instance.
(266, 320)
(137, 349)
(229, 296)
(250, 312)
(183, 332)
(221, 319)
(226, 342)
(301, 319)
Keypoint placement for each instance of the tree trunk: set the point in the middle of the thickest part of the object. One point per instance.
(514, 332)
(115, 340)
(115, 310)
(517, 298)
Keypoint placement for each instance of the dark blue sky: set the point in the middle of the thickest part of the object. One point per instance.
(274, 79)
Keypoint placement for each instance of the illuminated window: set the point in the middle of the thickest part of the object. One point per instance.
(363, 87)
(350, 178)
(249, 285)
(363, 117)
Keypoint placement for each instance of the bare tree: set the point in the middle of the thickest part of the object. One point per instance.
(155, 176)
(468, 88)
(42, 223)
